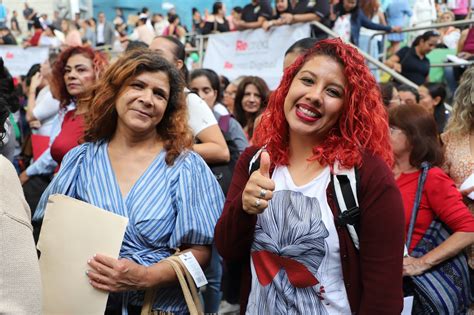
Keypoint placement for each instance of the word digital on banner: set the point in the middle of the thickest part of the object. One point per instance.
(18, 60)
(253, 52)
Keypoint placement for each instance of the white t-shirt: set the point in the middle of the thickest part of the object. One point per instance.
(45, 111)
(221, 109)
(295, 256)
(100, 33)
(200, 115)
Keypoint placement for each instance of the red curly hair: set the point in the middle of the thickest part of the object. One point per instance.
(58, 86)
(363, 124)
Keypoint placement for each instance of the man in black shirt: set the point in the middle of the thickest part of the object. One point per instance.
(254, 15)
(306, 11)
(29, 14)
(302, 11)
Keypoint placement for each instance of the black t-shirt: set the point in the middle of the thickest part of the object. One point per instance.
(251, 13)
(9, 40)
(319, 7)
(210, 27)
(414, 68)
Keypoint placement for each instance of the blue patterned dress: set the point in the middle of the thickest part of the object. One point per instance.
(168, 206)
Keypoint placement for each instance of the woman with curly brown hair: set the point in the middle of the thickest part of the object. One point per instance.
(138, 163)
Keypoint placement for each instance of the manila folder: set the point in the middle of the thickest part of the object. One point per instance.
(72, 232)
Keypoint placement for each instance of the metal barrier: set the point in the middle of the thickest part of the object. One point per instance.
(420, 28)
(397, 76)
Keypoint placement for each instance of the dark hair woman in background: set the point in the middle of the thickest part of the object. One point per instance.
(412, 62)
(216, 22)
(250, 101)
(390, 95)
(432, 96)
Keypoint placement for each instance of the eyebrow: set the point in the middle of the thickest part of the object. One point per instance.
(76, 66)
(332, 83)
(155, 89)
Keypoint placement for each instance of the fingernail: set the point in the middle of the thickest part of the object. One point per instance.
(87, 272)
(89, 261)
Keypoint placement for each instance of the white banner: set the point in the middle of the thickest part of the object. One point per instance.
(253, 52)
(18, 60)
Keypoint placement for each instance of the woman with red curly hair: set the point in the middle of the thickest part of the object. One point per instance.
(73, 74)
(283, 222)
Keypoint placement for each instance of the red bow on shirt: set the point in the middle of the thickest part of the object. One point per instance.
(268, 264)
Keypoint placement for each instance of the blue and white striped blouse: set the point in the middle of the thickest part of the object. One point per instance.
(168, 206)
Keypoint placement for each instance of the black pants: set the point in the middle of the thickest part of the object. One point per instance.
(33, 190)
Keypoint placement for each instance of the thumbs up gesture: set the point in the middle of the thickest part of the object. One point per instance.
(259, 188)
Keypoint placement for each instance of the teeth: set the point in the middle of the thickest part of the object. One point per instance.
(308, 112)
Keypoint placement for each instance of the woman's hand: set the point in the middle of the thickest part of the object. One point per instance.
(35, 124)
(24, 178)
(467, 191)
(397, 67)
(414, 266)
(259, 188)
(266, 25)
(116, 275)
(35, 82)
(286, 18)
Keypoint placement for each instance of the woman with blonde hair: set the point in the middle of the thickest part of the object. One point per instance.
(138, 163)
(458, 139)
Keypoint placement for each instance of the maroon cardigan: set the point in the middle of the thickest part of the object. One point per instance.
(373, 275)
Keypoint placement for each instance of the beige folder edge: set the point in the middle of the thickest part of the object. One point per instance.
(72, 232)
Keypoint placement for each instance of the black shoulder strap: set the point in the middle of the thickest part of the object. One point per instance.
(425, 167)
(351, 215)
(345, 197)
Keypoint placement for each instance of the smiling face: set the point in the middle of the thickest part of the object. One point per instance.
(79, 75)
(142, 103)
(315, 99)
(203, 88)
(252, 100)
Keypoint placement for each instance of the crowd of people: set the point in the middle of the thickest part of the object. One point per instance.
(332, 194)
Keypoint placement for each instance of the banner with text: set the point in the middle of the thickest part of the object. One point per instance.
(253, 52)
(18, 60)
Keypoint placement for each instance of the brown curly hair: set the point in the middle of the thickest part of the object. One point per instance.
(58, 86)
(101, 119)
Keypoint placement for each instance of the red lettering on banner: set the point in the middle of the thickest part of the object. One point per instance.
(241, 45)
(9, 55)
(228, 65)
